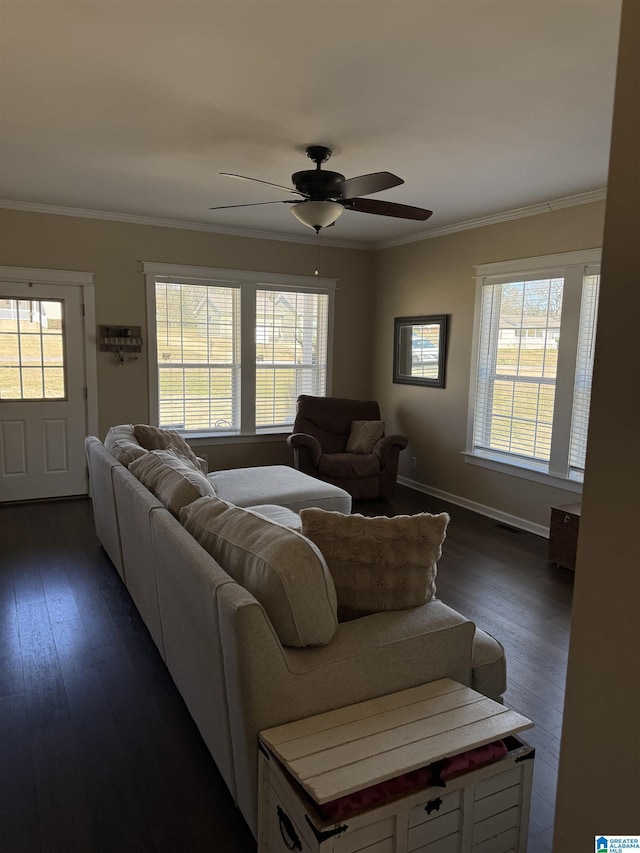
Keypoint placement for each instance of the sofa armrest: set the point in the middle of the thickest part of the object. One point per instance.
(387, 651)
(101, 464)
(268, 684)
(386, 443)
(301, 442)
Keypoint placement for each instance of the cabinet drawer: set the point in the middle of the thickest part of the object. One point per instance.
(484, 808)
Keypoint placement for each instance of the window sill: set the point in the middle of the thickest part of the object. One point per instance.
(208, 439)
(523, 473)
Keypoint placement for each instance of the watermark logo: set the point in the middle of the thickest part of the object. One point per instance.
(616, 843)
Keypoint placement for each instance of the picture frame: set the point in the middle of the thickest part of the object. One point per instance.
(419, 350)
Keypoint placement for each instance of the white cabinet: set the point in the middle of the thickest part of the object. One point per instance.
(484, 809)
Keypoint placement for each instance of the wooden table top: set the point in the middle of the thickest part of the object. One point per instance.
(349, 749)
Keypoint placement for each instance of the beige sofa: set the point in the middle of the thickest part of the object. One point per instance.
(223, 653)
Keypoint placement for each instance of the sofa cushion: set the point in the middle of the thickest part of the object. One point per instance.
(172, 479)
(278, 484)
(284, 571)
(349, 465)
(122, 443)
(378, 563)
(280, 514)
(154, 438)
(364, 436)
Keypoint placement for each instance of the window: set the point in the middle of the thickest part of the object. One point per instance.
(230, 351)
(291, 352)
(531, 383)
(584, 371)
(198, 355)
(31, 349)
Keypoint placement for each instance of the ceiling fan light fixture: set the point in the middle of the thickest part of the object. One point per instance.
(317, 214)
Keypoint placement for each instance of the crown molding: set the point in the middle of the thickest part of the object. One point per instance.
(478, 222)
(495, 218)
(541, 264)
(185, 225)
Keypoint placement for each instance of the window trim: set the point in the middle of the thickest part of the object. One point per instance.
(573, 266)
(249, 282)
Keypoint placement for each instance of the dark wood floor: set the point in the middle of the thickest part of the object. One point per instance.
(97, 750)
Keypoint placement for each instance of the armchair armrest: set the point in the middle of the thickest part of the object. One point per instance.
(299, 440)
(385, 444)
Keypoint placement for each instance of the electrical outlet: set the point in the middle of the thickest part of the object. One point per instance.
(414, 462)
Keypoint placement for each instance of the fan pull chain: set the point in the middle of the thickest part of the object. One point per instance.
(317, 272)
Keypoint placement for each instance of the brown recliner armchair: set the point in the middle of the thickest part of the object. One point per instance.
(321, 432)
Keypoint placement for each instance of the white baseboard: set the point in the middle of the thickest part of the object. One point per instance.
(490, 512)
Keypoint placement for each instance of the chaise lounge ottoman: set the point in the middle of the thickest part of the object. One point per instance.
(278, 484)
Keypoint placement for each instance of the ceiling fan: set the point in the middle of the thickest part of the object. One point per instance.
(326, 194)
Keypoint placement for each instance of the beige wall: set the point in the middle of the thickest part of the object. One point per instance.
(435, 276)
(599, 779)
(113, 252)
(427, 277)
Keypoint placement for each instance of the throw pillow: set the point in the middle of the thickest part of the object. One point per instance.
(154, 438)
(364, 436)
(121, 442)
(285, 572)
(172, 479)
(378, 563)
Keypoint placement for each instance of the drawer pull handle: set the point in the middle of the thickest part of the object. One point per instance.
(567, 519)
(433, 805)
(288, 833)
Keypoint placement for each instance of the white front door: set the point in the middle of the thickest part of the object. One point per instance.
(43, 412)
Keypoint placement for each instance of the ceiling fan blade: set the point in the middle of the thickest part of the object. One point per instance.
(258, 181)
(386, 208)
(367, 184)
(253, 204)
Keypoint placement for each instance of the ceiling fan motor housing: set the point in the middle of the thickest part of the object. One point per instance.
(318, 185)
(326, 194)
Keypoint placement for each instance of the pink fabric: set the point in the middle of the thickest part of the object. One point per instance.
(425, 777)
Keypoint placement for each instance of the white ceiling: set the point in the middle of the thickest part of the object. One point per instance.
(135, 106)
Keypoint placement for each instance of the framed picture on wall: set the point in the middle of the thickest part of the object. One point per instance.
(419, 350)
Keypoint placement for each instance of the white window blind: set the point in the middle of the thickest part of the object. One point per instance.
(198, 348)
(584, 373)
(531, 386)
(516, 370)
(231, 350)
(291, 352)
